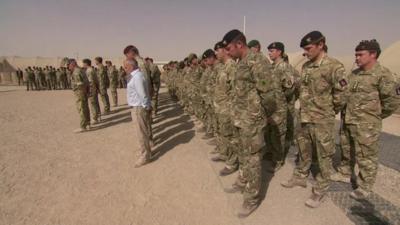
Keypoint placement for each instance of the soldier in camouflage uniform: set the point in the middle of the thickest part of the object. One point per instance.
(286, 74)
(249, 118)
(254, 46)
(113, 76)
(322, 95)
(30, 79)
(207, 83)
(122, 77)
(36, 72)
(53, 78)
(104, 83)
(374, 94)
(47, 74)
(93, 91)
(58, 78)
(155, 74)
(190, 93)
(80, 86)
(227, 139)
(64, 78)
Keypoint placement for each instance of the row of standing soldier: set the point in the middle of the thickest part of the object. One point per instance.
(90, 83)
(50, 78)
(248, 105)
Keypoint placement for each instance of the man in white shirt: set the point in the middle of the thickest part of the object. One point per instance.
(139, 99)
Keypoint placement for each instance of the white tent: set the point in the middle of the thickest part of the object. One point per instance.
(390, 58)
(7, 72)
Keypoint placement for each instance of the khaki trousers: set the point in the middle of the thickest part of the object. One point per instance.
(141, 125)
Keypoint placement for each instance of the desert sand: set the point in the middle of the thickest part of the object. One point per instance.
(50, 175)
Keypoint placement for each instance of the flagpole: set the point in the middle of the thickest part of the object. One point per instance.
(244, 24)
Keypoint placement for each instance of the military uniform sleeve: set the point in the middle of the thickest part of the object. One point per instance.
(261, 71)
(389, 94)
(287, 81)
(296, 76)
(340, 84)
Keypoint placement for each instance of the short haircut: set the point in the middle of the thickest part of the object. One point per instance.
(131, 48)
(108, 62)
(132, 62)
(87, 62)
(99, 59)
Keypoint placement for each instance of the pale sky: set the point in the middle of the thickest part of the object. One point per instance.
(172, 29)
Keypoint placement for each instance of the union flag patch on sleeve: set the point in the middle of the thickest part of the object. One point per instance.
(343, 82)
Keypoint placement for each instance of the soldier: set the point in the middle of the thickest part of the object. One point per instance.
(254, 46)
(113, 75)
(53, 78)
(207, 86)
(58, 78)
(374, 94)
(43, 78)
(69, 77)
(104, 83)
(93, 91)
(249, 118)
(47, 75)
(38, 85)
(226, 137)
(80, 86)
(155, 78)
(122, 77)
(322, 95)
(285, 73)
(189, 91)
(30, 79)
(19, 74)
(64, 78)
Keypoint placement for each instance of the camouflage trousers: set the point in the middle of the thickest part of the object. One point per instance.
(251, 142)
(316, 140)
(363, 141)
(154, 100)
(94, 106)
(105, 99)
(29, 85)
(83, 108)
(275, 136)
(227, 140)
(114, 96)
(197, 106)
(346, 165)
(290, 127)
(209, 118)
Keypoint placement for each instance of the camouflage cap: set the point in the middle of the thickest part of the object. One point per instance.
(311, 38)
(277, 45)
(230, 36)
(208, 53)
(253, 43)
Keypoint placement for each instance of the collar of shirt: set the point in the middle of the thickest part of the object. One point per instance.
(134, 72)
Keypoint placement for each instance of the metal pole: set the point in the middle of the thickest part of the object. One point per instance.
(244, 24)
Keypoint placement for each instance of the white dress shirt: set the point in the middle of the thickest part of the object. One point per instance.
(137, 90)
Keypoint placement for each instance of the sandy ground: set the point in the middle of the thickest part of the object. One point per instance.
(49, 175)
